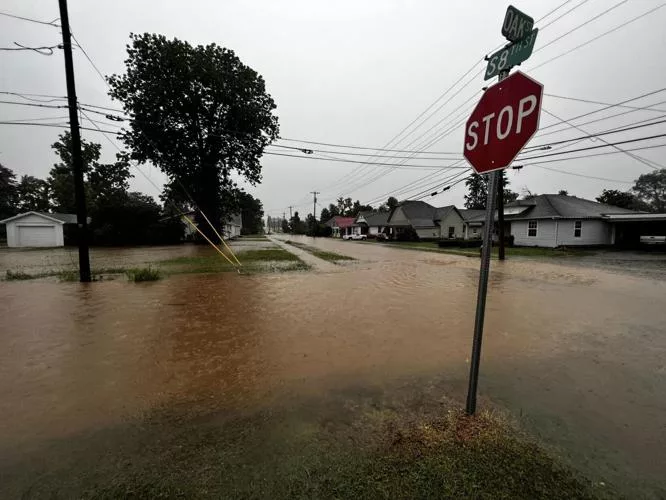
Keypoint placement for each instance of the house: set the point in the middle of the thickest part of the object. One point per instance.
(553, 220)
(38, 229)
(425, 220)
(340, 225)
(370, 223)
(232, 227)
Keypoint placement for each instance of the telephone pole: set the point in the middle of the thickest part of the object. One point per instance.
(314, 208)
(77, 159)
(290, 215)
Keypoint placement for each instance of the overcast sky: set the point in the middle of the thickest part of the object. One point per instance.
(356, 73)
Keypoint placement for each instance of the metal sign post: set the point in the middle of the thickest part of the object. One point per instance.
(504, 120)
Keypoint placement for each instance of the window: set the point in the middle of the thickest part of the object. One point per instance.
(578, 228)
(452, 231)
(532, 229)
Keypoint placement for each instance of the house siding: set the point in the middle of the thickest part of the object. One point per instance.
(545, 237)
(593, 232)
(24, 223)
(399, 218)
(454, 220)
(428, 233)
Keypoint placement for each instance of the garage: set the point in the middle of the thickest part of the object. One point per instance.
(37, 229)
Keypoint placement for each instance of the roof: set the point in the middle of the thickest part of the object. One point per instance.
(419, 213)
(443, 212)
(377, 219)
(559, 206)
(341, 222)
(55, 217)
(469, 214)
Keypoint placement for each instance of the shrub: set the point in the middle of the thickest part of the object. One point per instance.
(17, 275)
(143, 274)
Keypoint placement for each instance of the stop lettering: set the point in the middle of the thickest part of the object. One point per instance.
(504, 120)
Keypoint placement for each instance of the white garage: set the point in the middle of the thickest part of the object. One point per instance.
(37, 229)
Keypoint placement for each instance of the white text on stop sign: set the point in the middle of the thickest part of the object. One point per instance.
(504, 122)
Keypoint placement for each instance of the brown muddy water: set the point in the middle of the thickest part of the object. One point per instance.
(577, 354)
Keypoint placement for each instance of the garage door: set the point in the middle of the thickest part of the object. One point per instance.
(36, 236)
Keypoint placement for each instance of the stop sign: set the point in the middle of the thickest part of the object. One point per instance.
(504, 120)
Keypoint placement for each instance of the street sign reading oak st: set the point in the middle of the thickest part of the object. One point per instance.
(516, 24)
(504, 120)
(511, 55)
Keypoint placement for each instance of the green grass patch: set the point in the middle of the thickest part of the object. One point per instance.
(259, 260)
(17, 275)
(322, 254)
(143, 274)
(431, 246)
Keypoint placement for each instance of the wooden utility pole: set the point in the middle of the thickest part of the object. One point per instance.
(77, 158)
(314, 208)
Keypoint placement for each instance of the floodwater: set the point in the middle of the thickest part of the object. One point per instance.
(577, 354)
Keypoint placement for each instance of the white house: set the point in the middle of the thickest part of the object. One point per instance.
(427, 221)
(233, 226)
(37, 229)
(370, 223)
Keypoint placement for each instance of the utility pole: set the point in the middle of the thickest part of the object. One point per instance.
(500, 215)
(290, 215)
(314, 208)
(77, 159)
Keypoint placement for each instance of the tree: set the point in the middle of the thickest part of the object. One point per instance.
(357, 208)
(61, 177)
(325, 214)
(333, 210)
(198, 113)
(563, 192)
(621, 199)
(392, 202)
(32, 194)
(285, 226)
(651, 189)
(252, 213)
(296, 225)
(8, 192)
(477, 191)
(345, 206)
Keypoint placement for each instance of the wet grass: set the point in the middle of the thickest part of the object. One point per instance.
(17, 276)
(431, 246)
(322, 254)
(66, 275)
(260, 260)
(143, 274)
(343, 445)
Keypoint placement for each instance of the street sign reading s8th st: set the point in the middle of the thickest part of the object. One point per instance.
(511, 55)
(504, 120)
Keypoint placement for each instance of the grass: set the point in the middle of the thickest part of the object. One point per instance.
(260, 260)
(67, 275)
(17, 275)
(143, 274)
(431, 246)
(322, 254)
(345, 445)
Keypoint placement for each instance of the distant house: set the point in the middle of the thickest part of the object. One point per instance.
(38, 229)
(428, 222)
(370, 223)
(340, 225)
(232, 227)
(553, 220)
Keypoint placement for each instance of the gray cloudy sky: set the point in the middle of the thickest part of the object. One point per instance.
(356, 73)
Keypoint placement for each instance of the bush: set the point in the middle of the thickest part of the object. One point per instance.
(143, 274)
(17, 275)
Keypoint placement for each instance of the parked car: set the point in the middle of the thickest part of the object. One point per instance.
(358, 237)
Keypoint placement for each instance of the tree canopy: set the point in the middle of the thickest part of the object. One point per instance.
(651, 189)
(198, 113)
(622, 199)
(477, 191)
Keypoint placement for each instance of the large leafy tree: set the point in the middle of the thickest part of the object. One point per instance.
(622, 199)
(252, 213)
(198, 113)
(651, 189)
(325, 215)
(477, 191)
(32, 194)
(7, 192)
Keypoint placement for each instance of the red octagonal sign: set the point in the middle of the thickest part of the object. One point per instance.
(504, 120)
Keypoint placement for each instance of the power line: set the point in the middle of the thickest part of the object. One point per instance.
(351, 161)
(89, 59)
(31, 97)
(607, 104)
(346, 153)
(599, 36)
(37, 21)
(53, 106)
(356, 147)
(44, 50)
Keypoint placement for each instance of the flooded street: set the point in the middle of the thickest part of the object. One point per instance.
(577, 354)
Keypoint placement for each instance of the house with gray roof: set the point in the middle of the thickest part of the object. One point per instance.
(370, 223)
(428, 222)
(554, 220)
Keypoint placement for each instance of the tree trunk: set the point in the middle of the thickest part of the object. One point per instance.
(209, 204)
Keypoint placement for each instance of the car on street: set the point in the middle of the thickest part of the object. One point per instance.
(355, 237)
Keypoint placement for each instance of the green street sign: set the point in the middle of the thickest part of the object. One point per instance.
(516, 25)
(511, 55)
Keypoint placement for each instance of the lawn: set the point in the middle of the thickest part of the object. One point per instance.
(322, 254)
(260, 260)
(431, 246)
(341, 446)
